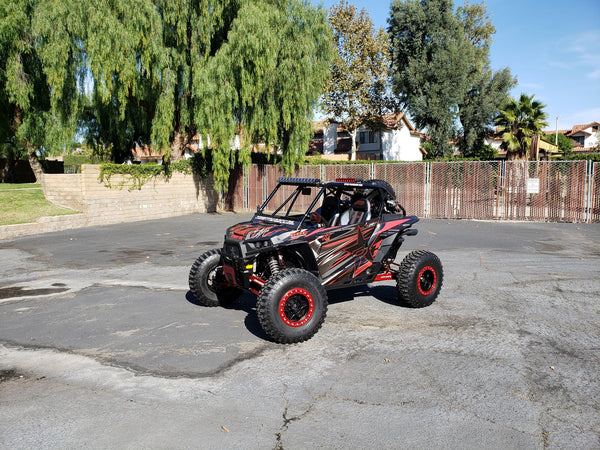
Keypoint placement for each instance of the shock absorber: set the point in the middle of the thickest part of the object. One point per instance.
(273, 265)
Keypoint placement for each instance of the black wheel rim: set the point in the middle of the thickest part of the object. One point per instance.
(211, 279)
(427, 280)
(296, 307)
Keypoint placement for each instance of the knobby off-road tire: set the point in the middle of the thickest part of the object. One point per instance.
(205, 281)
(420, 278)
(385, 185)
(292, 306)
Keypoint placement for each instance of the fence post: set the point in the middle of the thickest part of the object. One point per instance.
(589, 191)
(427, 190)
(245, 187)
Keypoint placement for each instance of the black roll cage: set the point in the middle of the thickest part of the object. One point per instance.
(336, 187)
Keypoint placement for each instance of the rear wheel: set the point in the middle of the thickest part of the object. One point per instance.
(206, 283)
(292, 306)
(419, 278)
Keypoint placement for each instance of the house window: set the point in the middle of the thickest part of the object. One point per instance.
(372, 137)
(579, 140)
(363, 137)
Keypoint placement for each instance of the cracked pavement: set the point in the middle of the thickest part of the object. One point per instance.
(102, 345)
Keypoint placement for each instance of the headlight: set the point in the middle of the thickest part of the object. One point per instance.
(257, 245)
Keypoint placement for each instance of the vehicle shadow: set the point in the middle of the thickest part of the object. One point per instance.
(383, 293)
(247, 302)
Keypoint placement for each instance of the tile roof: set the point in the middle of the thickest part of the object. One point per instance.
(145, 152)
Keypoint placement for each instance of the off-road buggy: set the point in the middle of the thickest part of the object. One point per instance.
(309, 237)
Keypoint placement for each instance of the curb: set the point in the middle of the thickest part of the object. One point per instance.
(44, 225)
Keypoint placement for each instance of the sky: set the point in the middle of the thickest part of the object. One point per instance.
(551, 47)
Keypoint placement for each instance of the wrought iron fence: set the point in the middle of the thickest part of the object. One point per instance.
(547, 191)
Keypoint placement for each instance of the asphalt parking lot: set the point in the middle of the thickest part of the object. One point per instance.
(103, 346)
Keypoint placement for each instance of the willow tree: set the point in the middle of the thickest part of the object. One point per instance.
(161, 71)
(24, 93)
(263, 82)
(112, 52)
(358, 86)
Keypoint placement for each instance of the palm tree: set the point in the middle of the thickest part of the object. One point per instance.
(518, 122)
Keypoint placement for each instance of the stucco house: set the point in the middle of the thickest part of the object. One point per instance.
(399, 140)
(584, 137)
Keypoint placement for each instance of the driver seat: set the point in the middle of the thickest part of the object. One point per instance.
(360, 211)
(330, 209)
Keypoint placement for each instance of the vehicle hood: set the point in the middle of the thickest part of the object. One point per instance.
(256, 230)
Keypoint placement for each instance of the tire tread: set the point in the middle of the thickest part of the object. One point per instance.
(273, 284)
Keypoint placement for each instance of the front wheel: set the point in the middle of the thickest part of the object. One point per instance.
(206, 284)
(419, 278)
(292, 306)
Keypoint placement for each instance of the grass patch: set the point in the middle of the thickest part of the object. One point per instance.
(25, 203)
(13, 186)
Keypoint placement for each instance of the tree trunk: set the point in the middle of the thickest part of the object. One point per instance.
(177, 146)
(354, 149)
(34, 162)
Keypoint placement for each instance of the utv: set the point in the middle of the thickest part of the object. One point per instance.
(309, 237)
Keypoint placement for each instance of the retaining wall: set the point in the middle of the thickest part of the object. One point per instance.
(100, 205)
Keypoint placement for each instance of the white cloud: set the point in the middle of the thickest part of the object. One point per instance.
(585, 52)
(579, 118)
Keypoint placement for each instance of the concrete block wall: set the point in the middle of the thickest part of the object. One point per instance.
(100, 205)
(158, 198)
(64, 190)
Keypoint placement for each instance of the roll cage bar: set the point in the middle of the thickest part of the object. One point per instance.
(328, 188)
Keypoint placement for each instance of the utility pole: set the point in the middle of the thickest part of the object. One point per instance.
(556, 137)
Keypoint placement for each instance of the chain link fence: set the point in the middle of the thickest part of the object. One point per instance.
(547, 191)
(594, 194)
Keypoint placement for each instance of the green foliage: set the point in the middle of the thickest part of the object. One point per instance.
(479, 107)
(595, 157)
(264, 81)
(518, 122)
(430, 68)
(25, 121)
(564, 143)
(358, 89)
(134, 176)
(159, 71)
(441, 71)
(487, 91)
(79, 160)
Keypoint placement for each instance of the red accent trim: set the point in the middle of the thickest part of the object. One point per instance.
(285, 298)
(362, 268)
(254, 291)
(393, 224)
(345, 180)
(255, 279)
(229, 274)
(339, 241)
(423, 270)
(385, 276)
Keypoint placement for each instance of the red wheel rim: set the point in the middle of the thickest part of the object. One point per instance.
(427, 280)
(296, 307)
